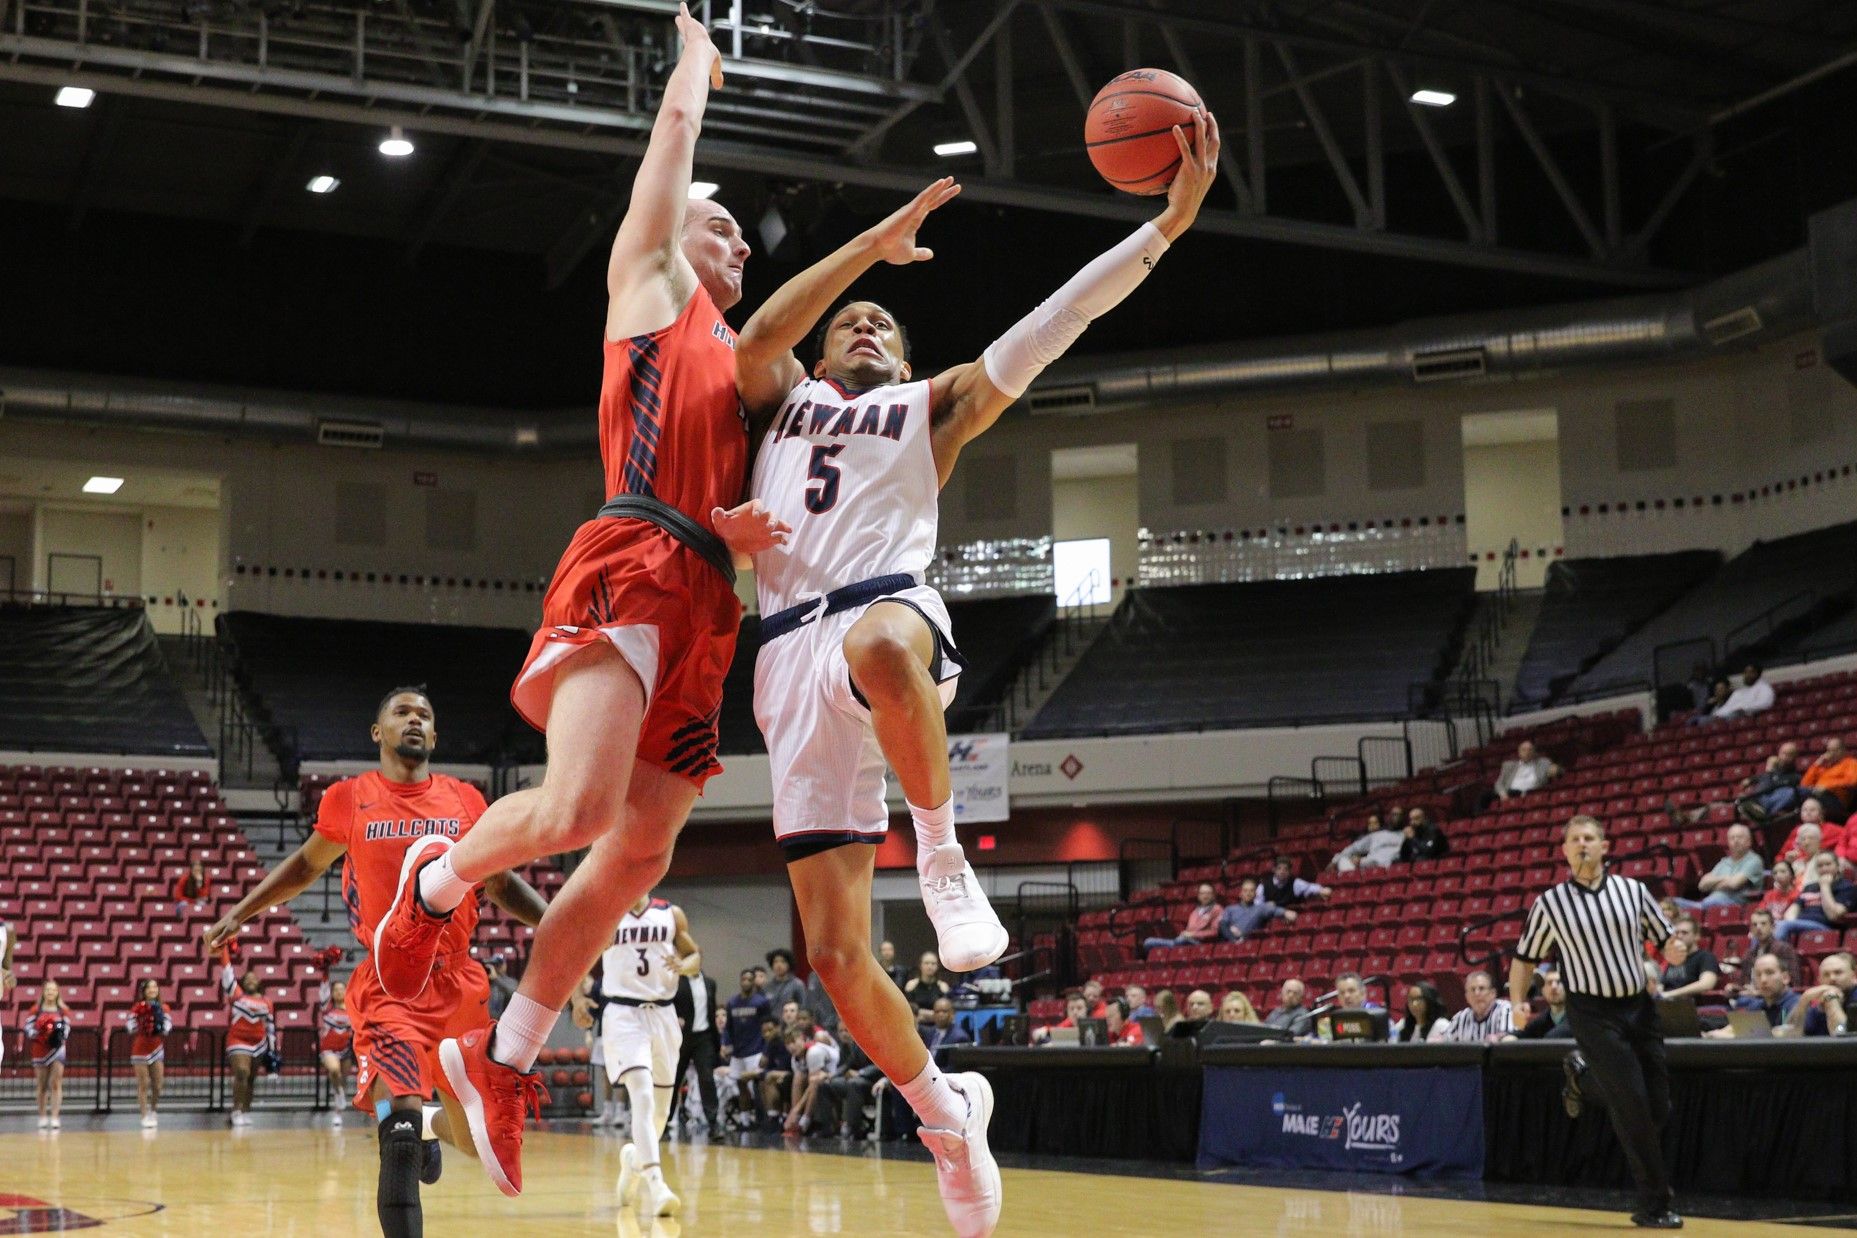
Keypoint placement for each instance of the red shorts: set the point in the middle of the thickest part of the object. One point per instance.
(398, 1040)
(669, 614)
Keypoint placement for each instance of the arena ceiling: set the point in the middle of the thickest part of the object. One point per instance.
(1592, 146)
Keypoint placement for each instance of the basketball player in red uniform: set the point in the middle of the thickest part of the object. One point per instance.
(639, 625)
(374, 820)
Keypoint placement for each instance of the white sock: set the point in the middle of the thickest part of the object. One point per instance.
(441, 889)
(936, 1101)
(522, 1031)
(934, 828)
(644, 1119)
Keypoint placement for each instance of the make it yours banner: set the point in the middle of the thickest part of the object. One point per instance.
(978, 766)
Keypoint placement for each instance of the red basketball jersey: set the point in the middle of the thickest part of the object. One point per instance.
(377, 820)
(671, 424)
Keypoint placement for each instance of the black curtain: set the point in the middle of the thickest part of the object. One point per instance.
(1144, 1114)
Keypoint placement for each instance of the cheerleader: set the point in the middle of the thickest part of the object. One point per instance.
(48, 1026)
(336, 1043)
(149, 1023)
(251, 1034)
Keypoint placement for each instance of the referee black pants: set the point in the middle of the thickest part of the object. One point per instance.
(1624, 1048)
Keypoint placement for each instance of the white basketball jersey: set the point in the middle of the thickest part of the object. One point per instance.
(641, 964)
(854, 474)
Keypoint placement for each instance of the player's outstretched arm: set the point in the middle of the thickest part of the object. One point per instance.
(647, 277)
(966, 400)
(689, 954)
(765, 367)
(516, 896)
(296, 874)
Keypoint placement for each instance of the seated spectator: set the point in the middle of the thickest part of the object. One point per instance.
(1235, 1007)
(814, 1062)
(782, 985)
(1769, 993)
(1167, 1009)
(1773, 789)
(1247, 915)
(1422, 840)
(1672, 913)
(1351, 994)
(840, 1102)
(1292, 1012)
(776, 1074)
(1485, 1017)
(1824, 1009)
(1735, 880)
(1824, 900)
(194, 886)
(1528, 771)
(1717, 696)
(941, 1033)
(1284, 888)
(1075, 1011)
(1377, 848)
(1426, 1018)
(1122, 1029)
(1550, 1024)
(925, 986)
(1831, 779)
(1755, 695)
(1689, 970)
(1781, 887)
(1202, 923)
(1136, 999)
(1760, 940)
(1093, 997)
(1812, 835)
(886, 959)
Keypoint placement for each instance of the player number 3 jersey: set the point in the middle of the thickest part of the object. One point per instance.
(854, 473)
(641, 964)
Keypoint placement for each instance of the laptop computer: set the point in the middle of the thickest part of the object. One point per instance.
(1092, 1031)
(1153, 1029)
(1678, 1017)
(1750, 1025)
(1063, 1036)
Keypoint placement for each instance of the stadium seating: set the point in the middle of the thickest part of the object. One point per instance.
(998, 637)
(89, 680)
(1590, 605)
(1203, 656)
(316, 682)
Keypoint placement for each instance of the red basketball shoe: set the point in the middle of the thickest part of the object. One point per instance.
(496, 1101)
(406, 939)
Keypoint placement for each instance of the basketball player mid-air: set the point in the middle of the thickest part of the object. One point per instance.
(856, 662)
(640, 1039)
(639, 624)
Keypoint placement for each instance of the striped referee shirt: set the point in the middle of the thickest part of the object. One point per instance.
(1598, 933)
(1466, 1028)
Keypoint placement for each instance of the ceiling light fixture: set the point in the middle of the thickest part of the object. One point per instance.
(103, 485)
(75, 96)
(322, 184)
(1434, 98)
(395, 145)
(947, 149)
(700, 190)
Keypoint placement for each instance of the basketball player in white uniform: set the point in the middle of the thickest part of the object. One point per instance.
(640, 1039)
(7, 937)
(857, 662)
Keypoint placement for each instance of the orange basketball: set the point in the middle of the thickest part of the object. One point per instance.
(1129, 129)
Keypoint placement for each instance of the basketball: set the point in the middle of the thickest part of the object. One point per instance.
(1129, 129)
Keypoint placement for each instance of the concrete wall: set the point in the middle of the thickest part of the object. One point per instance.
(1512, 490)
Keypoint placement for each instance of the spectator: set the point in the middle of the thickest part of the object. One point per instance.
(1774, 789)
(1122, 1030)
(1755, 695)
(1284, 888)
(743, 1045)
(1672, 913)
(776, 1075)
(1377, 848)
(1076, 1009)
(1770, 993)
(194, 886)
(1735, 879)
(1198, 1010)
(782, 986)
(1809, 837)
(886, 958)
(1351, 993)
(925, 986)
(1422, 839)
(760, 978)
(1824, 1009)
(1247, 915)
(1235, 1007)
(1718, 695)
(1426, 1018)
(1825, 898)
(1292, 1012)
(502, 984)
(1167, 1008)
(1780, 890)
(1700, 685)
(840, 1102)
(1202, 923)
(1528, 771)
(1831, 779)
(1485, 1018)
(1395, 819)
(1760, 940)
(1093, 997)
(1690, 971)
(1136, 998)
(814, 1062)
(1550, 1024)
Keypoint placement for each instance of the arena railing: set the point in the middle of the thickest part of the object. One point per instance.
(61, 597)
(99, 1078)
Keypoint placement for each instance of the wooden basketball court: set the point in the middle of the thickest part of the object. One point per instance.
(296, 1179)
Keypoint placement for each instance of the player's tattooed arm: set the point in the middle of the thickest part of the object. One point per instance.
(515, 896)
(296, 874)
(689, 954)
(765, 367)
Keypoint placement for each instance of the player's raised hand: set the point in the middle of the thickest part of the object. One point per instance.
(750, 528)
(696, 41)
(1199, 166)
(895, 237)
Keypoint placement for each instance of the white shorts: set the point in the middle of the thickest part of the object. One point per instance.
(819, 1057)
(828, 770)
(744, 1064)
(641, 1038)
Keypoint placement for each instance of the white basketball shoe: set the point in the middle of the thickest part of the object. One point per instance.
(628, 1175)
(966, 1173)
(966, 927)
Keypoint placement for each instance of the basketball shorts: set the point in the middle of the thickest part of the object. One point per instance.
(828, 769)
(641, 1038)
(741, 1065)
(398, 1040)
(667, 612)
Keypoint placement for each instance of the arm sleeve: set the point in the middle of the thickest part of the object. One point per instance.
(1537, 936)
(1042, 336)
(335, 815)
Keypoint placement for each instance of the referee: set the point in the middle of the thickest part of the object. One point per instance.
(1598, 922)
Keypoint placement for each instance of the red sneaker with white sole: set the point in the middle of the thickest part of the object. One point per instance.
(496, 1100)
(407, 937)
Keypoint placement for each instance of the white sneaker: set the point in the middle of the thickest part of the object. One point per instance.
(148, 1121)
(45, 1123)
(656, 1199)
(966, 1172)
(335, 1121)
(628, 1175)
(967, 929)
(56, 1124)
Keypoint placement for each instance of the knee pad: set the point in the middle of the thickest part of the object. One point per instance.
(402, 1159)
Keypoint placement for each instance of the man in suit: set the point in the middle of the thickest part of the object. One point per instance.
(695, 1004)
